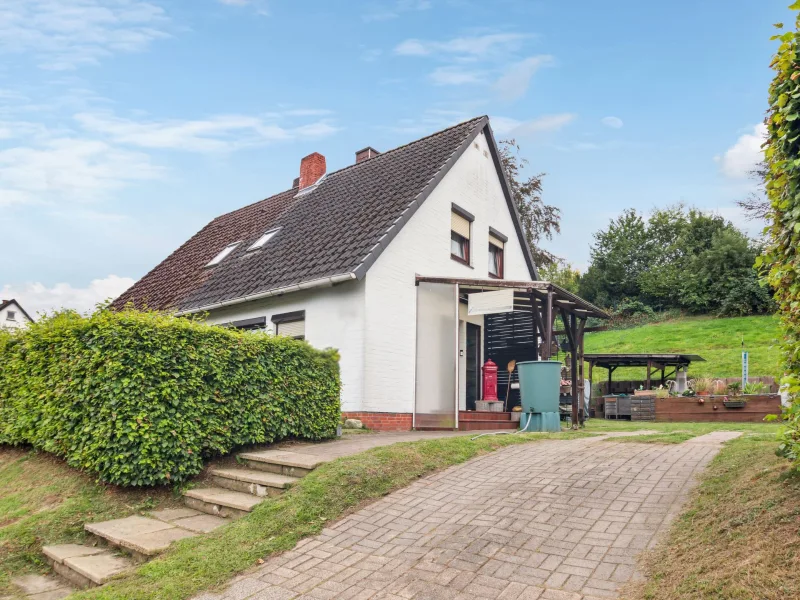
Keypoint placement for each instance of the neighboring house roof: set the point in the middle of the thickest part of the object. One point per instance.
(329, 233)
(6, 303)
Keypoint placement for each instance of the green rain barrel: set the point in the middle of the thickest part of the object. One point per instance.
(539, 382)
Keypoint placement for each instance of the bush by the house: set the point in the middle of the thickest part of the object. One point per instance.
(141, 398)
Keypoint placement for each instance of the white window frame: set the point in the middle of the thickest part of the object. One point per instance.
(262, 241)
(226, 251)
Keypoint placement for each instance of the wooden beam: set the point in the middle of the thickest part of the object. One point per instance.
(573, 335)
(649, 366)
(581, 386)
(548, 341)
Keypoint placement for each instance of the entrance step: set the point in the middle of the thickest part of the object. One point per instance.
(188, 518)
(483, 425)
(140, 536)
(282, 462)
(252, 481)
(473, 415)
(43, 587)
(221, 502)
(86, 566)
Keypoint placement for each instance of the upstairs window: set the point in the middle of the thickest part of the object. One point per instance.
(496, 246)
(224, 254)
(460, 229)
(11, 315)
(260, 242)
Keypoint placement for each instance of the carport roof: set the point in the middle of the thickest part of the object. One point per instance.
(608, 361)
(562, 298)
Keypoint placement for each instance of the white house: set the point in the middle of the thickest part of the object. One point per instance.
(12, 315)
(335, 260)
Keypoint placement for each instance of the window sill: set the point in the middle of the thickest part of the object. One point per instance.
(458, 259)
(493, 276)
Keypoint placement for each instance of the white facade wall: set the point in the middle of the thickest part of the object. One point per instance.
(334, 319)
(18, 322)
(423, 247)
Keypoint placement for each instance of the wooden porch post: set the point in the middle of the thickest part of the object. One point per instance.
(548, 336)
(581, 390)
(574, 371)
(649, 366)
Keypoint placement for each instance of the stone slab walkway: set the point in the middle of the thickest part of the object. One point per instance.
(555, 520)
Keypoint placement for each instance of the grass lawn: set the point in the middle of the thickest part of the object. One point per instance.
(719, 341)
(605, 425)
(738, 538)
(327, 494)
(42, 501)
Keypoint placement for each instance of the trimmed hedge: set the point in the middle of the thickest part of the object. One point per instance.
(141, 398)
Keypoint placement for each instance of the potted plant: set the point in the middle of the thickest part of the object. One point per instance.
(754, 387)
(734, 402)
(734, 387)
(719, 387)
(662, 392)
(702, 386)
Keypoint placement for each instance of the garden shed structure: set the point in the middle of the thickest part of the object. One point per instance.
(653, 362)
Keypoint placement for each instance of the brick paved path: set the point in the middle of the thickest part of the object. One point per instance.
(550, 520)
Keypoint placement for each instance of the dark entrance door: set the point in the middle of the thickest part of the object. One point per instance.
(473, 365)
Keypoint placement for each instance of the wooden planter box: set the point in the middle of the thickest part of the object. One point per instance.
(756, 407)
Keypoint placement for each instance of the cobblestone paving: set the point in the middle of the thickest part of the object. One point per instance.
(551, 520)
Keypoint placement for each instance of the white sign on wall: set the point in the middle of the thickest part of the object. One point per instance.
(488, 303)
(745, 367)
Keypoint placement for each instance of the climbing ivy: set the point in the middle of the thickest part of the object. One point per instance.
(781, 261)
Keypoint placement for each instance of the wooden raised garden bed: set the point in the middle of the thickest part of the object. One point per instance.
(753, 410)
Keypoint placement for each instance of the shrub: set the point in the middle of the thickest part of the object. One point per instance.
(141, 398)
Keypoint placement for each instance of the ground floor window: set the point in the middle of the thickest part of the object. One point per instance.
(291, 324)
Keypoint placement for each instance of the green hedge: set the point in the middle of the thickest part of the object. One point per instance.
(142, 398)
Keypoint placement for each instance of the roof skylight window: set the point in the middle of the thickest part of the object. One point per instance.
(260, 242)
(224, 254)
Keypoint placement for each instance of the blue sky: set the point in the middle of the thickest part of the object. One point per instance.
(126, 125)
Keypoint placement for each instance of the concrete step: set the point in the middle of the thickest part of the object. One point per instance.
(188, 518)
(43, 587)
(487, 425)
(252, 481)
(86, 566)
(221, 502)
(142, 537)
(282, 462)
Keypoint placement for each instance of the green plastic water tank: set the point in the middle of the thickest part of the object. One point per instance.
(539, 382)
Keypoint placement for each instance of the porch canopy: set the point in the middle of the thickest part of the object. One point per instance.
(542, 300)
(653, 362)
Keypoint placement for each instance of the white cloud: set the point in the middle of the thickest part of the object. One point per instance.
(465, 47)
(215, 134)
(741, 158)
(35, 297)
(66, 34)
(514, 83)
(456, 76)
(513, 127)
(613, 122)
(68, 169)
(392, 10)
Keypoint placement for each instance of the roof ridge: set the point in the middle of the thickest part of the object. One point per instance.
(345, 168)
(411, 143)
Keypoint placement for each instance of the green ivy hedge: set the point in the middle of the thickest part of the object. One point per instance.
(142, 398)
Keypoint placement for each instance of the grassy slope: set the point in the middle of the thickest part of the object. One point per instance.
(276, 525)
(42, 501)
(719, 341)
(738, 539)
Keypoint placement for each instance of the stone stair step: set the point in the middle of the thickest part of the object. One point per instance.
(221, 502)
(188, 518)
(282, 462)
(43, 587)
(86, 566)
(141, 536)
(252, 481)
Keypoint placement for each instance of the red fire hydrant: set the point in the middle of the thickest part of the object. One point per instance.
(489, 381)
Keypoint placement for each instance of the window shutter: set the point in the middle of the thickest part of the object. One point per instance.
(292, 329)
(459, 224)
(496, 242)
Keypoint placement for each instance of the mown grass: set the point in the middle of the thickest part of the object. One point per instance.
(717, 340)
(42, 501)
(675, 437)
(738, 539)
(276, 525)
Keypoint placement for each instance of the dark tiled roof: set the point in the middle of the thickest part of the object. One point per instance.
(334, 229)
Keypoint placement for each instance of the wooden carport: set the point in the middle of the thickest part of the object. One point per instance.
(652, 361)
(544, 301)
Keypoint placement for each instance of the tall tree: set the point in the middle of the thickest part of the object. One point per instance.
(539, 220)
(756, 204)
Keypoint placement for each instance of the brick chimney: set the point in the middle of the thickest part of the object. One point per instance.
(312, 167)
(366, 153)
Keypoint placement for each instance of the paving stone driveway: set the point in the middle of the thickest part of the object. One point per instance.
(550, 520)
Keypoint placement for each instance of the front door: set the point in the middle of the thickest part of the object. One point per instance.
(473, 365)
